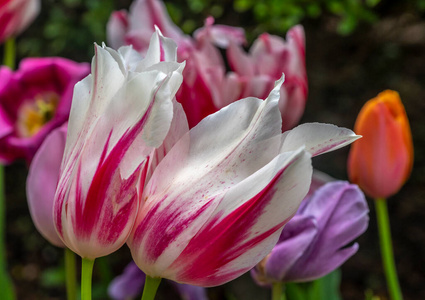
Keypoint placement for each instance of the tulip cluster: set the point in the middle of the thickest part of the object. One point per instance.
(200, 206)
(206, 86)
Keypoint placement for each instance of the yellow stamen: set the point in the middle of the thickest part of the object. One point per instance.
(35, 113)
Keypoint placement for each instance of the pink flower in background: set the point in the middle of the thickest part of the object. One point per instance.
(42, 179)
(207, 87)
(136, 27)
(120, 114)
(34, 100)
(269, 57)
(16, 15)
(217, 202)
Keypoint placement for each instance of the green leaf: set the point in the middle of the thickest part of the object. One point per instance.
(326, 288)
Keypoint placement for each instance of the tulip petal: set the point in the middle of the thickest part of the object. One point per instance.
(42, 179)
(128, 285)
(342, 215)
(116, 28)
(246, 136)
(246, 224)
(317, 138)
(298, 235)
(239, 61)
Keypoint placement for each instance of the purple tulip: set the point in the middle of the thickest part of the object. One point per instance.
(130, 284)
(314, 242)
(34, 100)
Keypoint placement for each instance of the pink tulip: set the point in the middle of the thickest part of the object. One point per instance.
(16, 16)
(120, 114)
(206, 87)
(216, 204)
(136, 27)
(34, 100)
(42, 179)
(269, 57)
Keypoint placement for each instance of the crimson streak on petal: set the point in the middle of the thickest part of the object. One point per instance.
(215, 236)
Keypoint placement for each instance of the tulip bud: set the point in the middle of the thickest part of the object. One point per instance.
(382, 160)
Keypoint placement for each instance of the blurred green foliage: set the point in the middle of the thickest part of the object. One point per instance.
(69, 28)
(278, 15)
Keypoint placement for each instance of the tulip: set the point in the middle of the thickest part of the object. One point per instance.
(130, 284)
(216, 204)
(16, 16)
(269, 57)
(380, 164)
(136, 27)
(119, 114)
(206, 87)
(313, 243)
(34, 100)
(42, 179)
(382, 160)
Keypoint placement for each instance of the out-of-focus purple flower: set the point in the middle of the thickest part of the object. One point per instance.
(130, 284)
(269, 57)
(42, 179)
(34, 100)
(314, 242)
(16, 15)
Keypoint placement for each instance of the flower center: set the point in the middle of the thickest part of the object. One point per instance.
(34, 113)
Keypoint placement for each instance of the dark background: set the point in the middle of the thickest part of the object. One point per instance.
(380, 46)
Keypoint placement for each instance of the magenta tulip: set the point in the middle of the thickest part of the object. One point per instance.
(34, 100)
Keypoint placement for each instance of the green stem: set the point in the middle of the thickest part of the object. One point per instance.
(6, 286)
(277, 291)
(9, 53)
(70, 274)
(86, 275)
(151, 286)
(387, 249)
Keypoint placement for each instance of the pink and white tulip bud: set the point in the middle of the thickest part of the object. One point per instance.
(216, 204)
(42, 179)
(16, 16)
(120, 114)
(269, 57)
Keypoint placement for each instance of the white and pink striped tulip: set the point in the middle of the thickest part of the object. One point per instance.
(217, 202)
(268, 58)
(119, 115)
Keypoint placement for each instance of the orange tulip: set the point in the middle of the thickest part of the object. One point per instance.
(382, 160)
